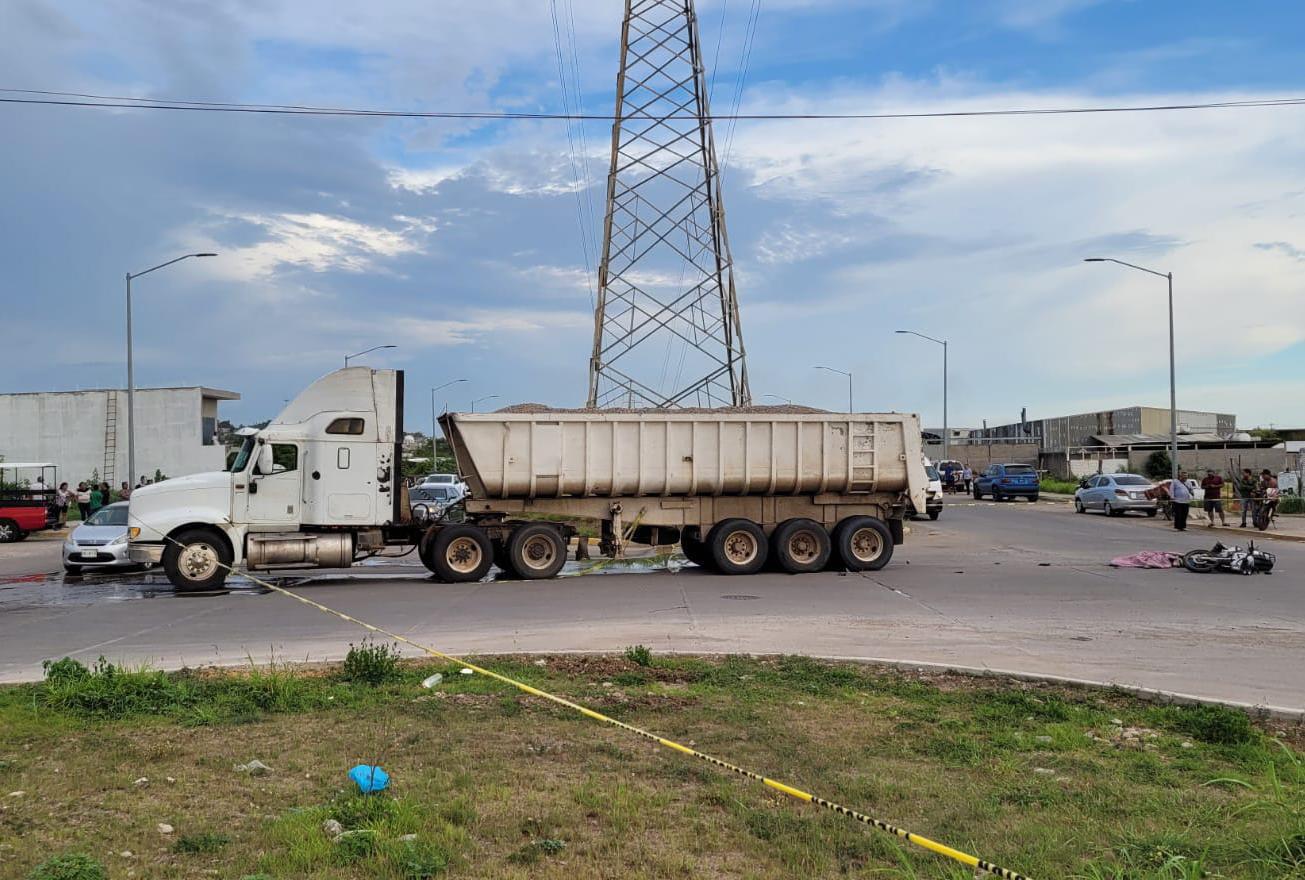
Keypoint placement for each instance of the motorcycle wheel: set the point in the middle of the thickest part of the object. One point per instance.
(1199, 561)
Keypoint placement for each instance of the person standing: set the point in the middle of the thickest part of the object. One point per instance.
(1213, 488)
(1269, 488)
(968, 476)
(1247, 489)
(1180, 497)
(83, 500)
(62, 500)
(96, 498)
(125, 492)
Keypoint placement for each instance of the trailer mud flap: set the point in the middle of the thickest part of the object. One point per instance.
(898, 532)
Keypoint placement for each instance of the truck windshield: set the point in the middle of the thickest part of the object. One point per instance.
(242, 457)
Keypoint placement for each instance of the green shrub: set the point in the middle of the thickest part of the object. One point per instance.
(1158, 465)
(361, 810)
(69, 866)
(1291, 504)
(1217, 725)
(205, 842)
(419, 860)
(65, 670)
(639, 655)
(354, 846)
(371, 663)
(1058, 486)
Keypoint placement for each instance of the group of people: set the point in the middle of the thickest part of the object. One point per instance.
(88, 496)
(1258, 495)
(956, 477)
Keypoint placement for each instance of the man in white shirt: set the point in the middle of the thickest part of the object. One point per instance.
(1180, 499)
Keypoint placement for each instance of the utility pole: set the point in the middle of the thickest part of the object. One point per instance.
(666, 324)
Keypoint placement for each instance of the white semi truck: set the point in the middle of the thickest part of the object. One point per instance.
(321, 486)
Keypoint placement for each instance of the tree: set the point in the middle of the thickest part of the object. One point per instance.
(1158, 465)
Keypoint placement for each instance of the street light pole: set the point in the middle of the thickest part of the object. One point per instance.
(846, 373)
(368, 351)
(479, 399)
(778, 397)
(433, 429)
(1173, 387)
(943, 343)
(131, 373)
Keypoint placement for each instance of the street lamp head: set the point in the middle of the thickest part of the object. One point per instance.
(901, 331)
(203, 255)
(1094, 259)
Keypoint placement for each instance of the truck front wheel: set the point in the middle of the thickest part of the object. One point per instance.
(459, 553)
(196, 560)
(863, 543)
(737, 546)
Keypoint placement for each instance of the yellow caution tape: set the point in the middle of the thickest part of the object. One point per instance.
(911, 837)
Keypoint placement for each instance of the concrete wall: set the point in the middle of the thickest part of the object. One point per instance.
(978, 456)
(1194, 460)
(67, 428)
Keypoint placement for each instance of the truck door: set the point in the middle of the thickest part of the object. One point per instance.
(275, 497)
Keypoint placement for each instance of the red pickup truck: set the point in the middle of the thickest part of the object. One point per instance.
(24, 510)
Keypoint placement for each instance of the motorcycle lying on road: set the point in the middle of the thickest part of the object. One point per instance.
(1230, 559)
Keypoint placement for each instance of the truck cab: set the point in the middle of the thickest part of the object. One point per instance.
(319, 484)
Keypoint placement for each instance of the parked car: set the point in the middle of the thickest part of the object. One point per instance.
(933, 498)
(1003, 481)
(430, 500)
(1115, 494)
(446, 480)
(99, 542)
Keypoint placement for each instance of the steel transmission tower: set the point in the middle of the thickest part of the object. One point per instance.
(666, 325)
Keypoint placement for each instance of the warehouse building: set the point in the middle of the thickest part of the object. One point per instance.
(1063, 433)
(85, 432)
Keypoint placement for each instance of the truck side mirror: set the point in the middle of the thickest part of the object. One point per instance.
(265, 461)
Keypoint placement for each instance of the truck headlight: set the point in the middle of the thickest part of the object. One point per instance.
(133, 533)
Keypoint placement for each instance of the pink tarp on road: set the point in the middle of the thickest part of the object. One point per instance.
(1149, 559)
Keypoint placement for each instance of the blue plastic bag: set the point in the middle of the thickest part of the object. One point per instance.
(370, 779)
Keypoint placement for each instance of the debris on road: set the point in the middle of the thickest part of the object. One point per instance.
(431, 681)
(254, 768)
(369, 779)
(1148, 559)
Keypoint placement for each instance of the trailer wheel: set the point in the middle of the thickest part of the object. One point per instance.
(695, 549)
(536, 551)
(737, 546)
(459, 553)
(196, 560)
(863, 543)
(800, 546)
(502, 560)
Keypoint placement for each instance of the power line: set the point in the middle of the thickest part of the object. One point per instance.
(71, 99)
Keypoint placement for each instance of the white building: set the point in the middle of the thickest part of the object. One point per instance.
(85, 432)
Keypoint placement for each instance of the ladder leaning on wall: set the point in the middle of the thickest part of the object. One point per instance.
(110, 437)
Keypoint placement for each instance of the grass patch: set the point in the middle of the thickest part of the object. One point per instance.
(489, 783)
(204, 842)
(1058, 486)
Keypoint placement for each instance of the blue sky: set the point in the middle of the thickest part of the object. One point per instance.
(459, 242)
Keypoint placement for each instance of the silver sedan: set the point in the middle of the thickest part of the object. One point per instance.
(1115, 495)
(99, 542)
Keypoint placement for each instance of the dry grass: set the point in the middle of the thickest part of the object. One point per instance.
(498, 785)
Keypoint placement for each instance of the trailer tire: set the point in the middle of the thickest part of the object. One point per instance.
(502, 561)
(863, 543)
(800, 546)
(197, 560)
(536, 551)
(459, 553)
(737, 546)
(695, 549)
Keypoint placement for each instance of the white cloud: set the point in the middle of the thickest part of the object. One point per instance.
(319, 243)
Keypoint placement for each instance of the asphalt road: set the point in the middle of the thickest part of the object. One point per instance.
(1010, 587)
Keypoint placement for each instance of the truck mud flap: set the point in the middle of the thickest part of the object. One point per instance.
(896, 529)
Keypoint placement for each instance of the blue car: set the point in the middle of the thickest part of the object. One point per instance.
(1003, 481)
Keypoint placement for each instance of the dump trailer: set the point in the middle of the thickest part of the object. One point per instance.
(321, 486)
(736, 488)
